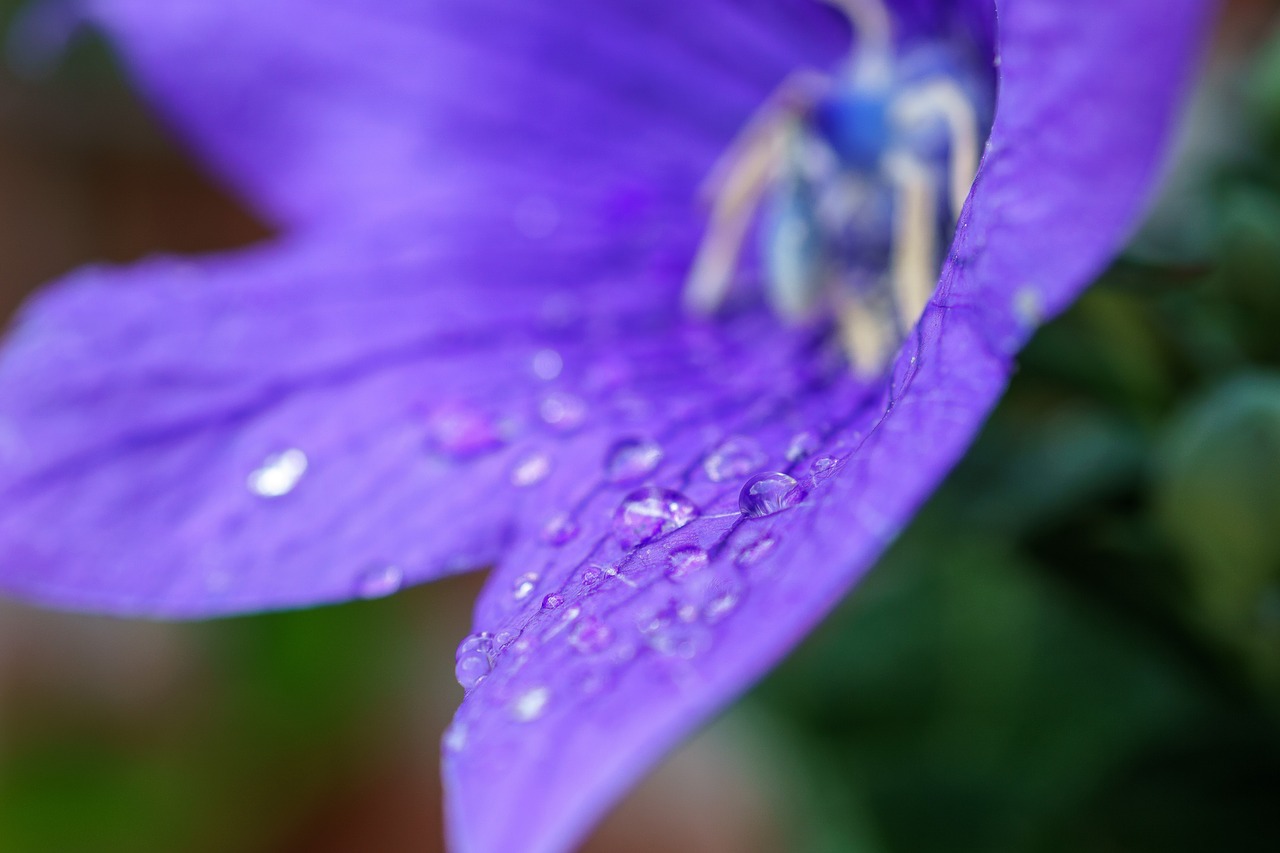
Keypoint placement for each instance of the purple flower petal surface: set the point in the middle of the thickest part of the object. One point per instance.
(635, 647)
(324, 111)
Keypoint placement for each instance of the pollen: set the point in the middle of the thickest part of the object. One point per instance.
(851, 183)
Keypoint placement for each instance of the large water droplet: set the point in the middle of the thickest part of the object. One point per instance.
(735, 458)
(648, 513)
(765, 494)
(531, 704)
(531, 470)
(474, 660)
(632, 459)
(591, 635)
(278, 474)
(524, 585)
(460, 429)
(684, 561)
(379, 580)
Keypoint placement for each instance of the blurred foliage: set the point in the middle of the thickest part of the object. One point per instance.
(1076, 645)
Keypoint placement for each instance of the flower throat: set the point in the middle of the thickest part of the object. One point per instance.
(856, 179)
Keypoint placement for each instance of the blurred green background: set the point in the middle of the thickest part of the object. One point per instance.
(1075, 647)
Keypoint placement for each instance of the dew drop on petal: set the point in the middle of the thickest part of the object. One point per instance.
(531, 704)
(473, 660)
(455, 737)
(524, 586)
(756, 551)
(547, 364)
(559, 530)
(593, 576)
(552, 600)
(564, 412)
(735, 458)
(823, 468)
(723, 600)
(460, 429)
(684, 561)
(765, 494)
(802, 446)
(279, 473)
(591, 635)
(648, 513)
(379, 580)
(632, 459)
(531, 470)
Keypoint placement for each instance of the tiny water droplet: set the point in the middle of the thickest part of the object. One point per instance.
(591, 636)
(723, 600)
(531, 470)
(505, 638)
(552, 600)
(672, 631)
(547, 364)
(379, 580)
(461, 430)
(684, 561)
(559, 529)
(524, 585)
(632, 459)
(563, 411)
(278, 474)
(756, 551)
(648, 513)
(823, 468)
(802, 446)
(474, 660)
(766, 494)
(592, 576)
(735, 458)
(531, 704)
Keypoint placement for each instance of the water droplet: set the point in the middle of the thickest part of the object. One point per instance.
(802, 446)
(685, 560)
(824, 468)
(505, 638)
(547, 364)
(524, 586)
(559, 529)
(278, 474)
(591, 636)
(673, 631)
(531, 704)
(632, 459)
(722, 599)
(765, 494)
(474, 660)
(756, 551)
(735, 458)
(648, 513)
(460, 429)
(563, 411)
(531, 470)
(379, 580)
(592, 576)
(552, 601)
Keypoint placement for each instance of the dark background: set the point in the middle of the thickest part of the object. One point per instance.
(1075, 647)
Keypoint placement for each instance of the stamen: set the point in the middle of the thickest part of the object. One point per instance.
(914, 265)
(740, 179)
(871, 22)
(867, 333)
(943, 98)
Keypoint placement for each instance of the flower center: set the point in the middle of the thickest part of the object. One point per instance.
(856, 180)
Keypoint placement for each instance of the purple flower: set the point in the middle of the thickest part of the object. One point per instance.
(469, 347)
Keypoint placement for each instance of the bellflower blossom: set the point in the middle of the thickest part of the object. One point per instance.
(478, 341)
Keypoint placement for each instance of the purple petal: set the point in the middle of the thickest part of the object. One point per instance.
(604, 656)
(297, 425)
(331, 111)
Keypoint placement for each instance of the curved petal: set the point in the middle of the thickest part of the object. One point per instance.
(598, 656)
(322, 111)
(299, 424)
